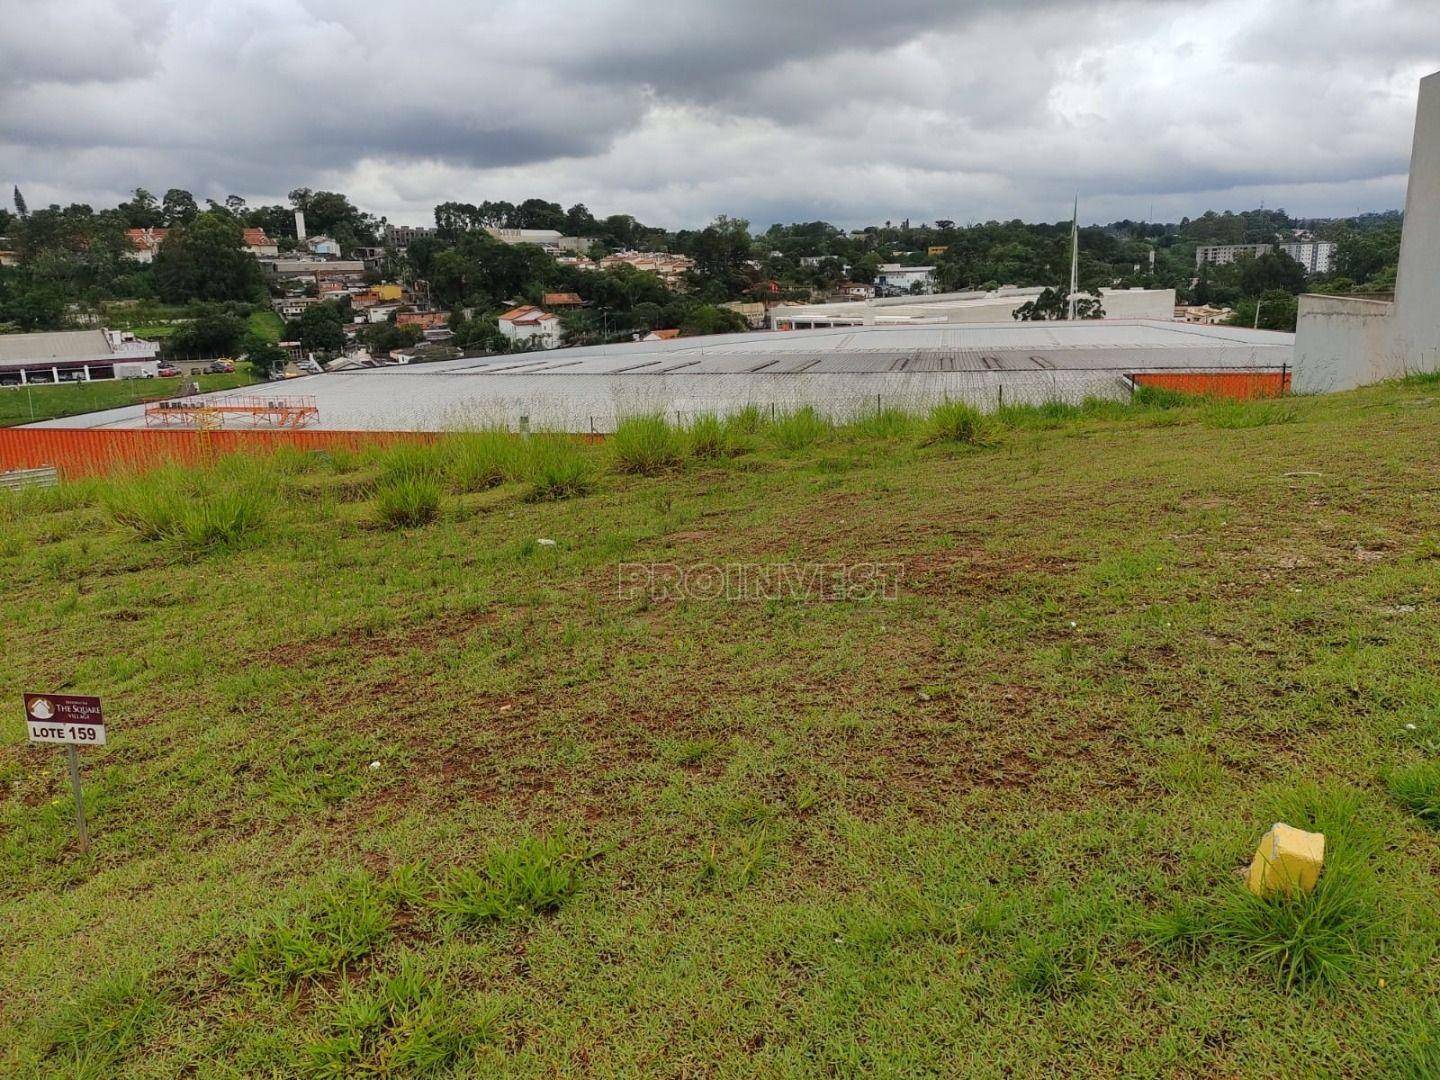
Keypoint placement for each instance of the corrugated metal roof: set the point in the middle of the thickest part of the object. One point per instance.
(837, 371)
(58, 345)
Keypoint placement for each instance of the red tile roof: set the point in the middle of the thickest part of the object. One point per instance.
(526, 314)
(145, 239)
(256, 238)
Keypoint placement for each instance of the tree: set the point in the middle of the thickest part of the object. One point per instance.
(204, 260)
(21, 211)
(1272, 270)
(141, 210)
(1055, 304)
(266, 358)
(320, 328)
(1278, 311)
(211, 333)
(179, 207)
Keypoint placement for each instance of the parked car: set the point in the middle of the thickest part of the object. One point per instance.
(219, 367)
(168, 371)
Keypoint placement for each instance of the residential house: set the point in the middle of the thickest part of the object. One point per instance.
(425, 320)
(562, 300)
(531, 325)
(854, 290)
(669, 268)
(322, 246)
(144, 243)
(258, 244)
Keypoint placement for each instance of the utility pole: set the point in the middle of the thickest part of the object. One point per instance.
(1074, 254)
(1258, 305)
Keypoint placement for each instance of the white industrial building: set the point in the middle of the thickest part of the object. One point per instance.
(841, 372)
(1343, 342)
(75, 356)
(893, 278)
(959, 307)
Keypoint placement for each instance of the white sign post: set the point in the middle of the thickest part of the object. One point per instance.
(74, 720)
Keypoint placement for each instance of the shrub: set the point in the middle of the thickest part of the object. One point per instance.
(956, 422)
(532, 878)
(1417, 789)
(476, 461)
(405, 502)
(645, 444)
(799, 429)
(556, 468)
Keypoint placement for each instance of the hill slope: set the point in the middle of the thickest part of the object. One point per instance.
(444, 798)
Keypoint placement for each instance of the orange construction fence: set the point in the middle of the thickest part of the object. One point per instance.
(88, 451)
(1242, 385)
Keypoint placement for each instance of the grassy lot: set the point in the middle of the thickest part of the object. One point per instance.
(266, 324)
(394, 788)
(22, 405)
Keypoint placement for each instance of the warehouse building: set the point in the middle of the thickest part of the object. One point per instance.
(75, 356)
(959, 307)
(840, 372)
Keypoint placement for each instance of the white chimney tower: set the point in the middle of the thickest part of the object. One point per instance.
(299, 224)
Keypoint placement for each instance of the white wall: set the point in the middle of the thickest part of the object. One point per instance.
(1341, 343)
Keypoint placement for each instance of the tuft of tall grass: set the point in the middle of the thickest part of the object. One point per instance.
(956, 422)
(556, 468)
(708, 437)
(164, 505)
(1304, 938)
(479, 460)
(404, 502)
(1319, 937)
(801, 428)
(1417, 788)
(534, 877)
(411, 460)
(882, 424)
(224, 518)
(1247, 414)
(645, 444)
(1159, 397)
(331, 929)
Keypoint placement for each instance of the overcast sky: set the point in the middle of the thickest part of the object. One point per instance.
(854, 111)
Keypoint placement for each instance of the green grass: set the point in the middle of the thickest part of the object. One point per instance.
(22, 404)
(265, 324)
(445, 800)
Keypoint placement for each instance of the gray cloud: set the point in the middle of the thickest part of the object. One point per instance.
(845, 109)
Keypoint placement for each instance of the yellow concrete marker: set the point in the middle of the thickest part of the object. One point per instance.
(1287, 859)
